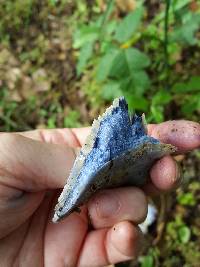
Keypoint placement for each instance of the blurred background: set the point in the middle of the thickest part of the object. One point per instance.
(63, 61)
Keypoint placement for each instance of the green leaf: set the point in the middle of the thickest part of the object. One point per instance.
(162, 97)
(107, 47)
(105, 65)
(186, 32)
(191, 104)
(110, 27)
(127, 68)
(136, 59)
(84, 35)
(141, 82)
(157, 112)
(147, 261)
(111, 90)
(127, 61)
(176, 6)
(192, 85)
(136, 103)
(129, 25)
(72, 119)
(179, 4)
(53, 2)
(51, 123)
(159, 100)
(103, 20)
(187, 199)
(184, 234)
(85, 55)
(136, 83)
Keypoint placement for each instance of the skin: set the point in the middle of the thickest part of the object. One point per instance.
(35, 164)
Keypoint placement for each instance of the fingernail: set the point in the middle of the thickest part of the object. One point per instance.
(107, 205)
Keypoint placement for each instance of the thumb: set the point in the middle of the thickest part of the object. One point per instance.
(27, 169)
(32, 165)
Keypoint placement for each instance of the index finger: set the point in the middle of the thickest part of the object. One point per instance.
(183, 134)
(73, 137)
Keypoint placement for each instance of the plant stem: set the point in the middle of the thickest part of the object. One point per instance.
(166, 43)
(105, 18)
(107, 12)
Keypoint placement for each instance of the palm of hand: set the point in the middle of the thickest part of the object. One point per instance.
(31, 243)
(28, 237)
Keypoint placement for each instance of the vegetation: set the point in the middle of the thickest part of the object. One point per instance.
(62, 62)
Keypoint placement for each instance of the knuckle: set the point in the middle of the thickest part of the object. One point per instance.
(140, 195)
(141, 205)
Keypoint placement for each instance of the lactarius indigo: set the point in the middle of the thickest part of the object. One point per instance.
(117, 152)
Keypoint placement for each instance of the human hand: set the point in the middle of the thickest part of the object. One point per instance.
(33, 165)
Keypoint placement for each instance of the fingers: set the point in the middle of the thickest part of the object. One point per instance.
(74, 137)
(67, 241)
(81, 134)
(16, 207)
(31, 165)
(115, 205)
(185, 135)
(165, 174)
(64, 240)
(122, 242)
